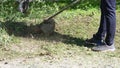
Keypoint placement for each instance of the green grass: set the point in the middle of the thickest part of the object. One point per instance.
(72, 28)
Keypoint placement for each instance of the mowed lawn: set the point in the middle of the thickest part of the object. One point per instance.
(68, 41)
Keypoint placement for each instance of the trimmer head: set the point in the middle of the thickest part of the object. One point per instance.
(48, 26)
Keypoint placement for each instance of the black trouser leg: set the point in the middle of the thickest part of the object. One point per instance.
(108, 21)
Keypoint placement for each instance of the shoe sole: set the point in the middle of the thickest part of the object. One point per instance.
(90, 43)
(104, 50)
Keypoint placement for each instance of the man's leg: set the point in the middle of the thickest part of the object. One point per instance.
(99, 36)
(102, 28)
(111, 21)
(110, 16)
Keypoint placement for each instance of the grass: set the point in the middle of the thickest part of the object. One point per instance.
(72, 28)
(66, 38)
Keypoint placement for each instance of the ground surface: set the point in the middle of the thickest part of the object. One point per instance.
(68, 62)
(64, 49)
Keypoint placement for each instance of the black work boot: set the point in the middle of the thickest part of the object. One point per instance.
(95, 41)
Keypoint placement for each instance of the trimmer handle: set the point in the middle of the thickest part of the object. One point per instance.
(73, 3)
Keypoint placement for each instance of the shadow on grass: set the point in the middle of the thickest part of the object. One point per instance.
(21, 29)
(67, 39)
